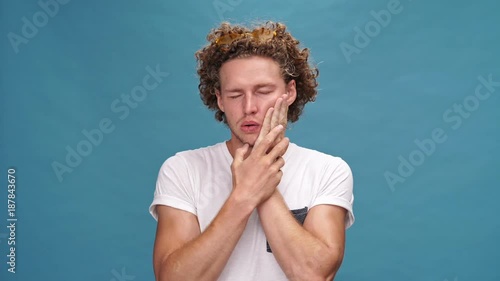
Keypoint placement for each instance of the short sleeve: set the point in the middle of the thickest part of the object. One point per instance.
(336, 188)
(173, 187)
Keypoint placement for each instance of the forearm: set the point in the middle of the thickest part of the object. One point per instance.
(204, 258)
(300, 254)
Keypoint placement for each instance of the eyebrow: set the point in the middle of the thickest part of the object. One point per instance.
(258, 86)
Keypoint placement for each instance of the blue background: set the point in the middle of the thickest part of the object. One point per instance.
(438, 223)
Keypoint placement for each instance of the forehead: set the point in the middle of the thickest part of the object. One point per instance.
(241, 72)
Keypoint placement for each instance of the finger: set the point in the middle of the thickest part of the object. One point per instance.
(276, 168)
(282, 116)
(283, 112)
(275, 121)
(279, 149)
(266, 126)
(279, 163)
(263, 146)
(279, 175)
(240, 154)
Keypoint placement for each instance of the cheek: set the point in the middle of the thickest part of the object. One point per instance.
(231, 109)
(268, 103)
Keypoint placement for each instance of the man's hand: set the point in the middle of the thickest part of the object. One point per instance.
(256, 177)
(279, 117)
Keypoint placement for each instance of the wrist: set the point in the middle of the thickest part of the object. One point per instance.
(242, 203)
(269, 202)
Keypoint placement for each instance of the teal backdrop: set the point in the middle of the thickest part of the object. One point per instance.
(95, 95)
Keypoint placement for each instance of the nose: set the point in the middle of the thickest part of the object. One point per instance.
(249, 104)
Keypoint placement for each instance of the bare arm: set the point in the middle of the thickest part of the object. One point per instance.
(181, 252)
(310, 252)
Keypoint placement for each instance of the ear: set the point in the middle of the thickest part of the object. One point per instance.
(219, 100)
(291, 92)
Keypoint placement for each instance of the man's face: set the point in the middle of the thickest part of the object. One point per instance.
(249, 87)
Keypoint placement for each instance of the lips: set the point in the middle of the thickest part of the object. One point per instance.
(250, 127)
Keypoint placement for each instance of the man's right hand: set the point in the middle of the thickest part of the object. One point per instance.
(256, 177)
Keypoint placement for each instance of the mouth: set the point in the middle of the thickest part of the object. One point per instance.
(250, 127)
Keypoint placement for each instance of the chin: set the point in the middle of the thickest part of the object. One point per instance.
(243, 138)
(251, 141)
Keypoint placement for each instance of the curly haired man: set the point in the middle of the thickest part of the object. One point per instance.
(255, 207)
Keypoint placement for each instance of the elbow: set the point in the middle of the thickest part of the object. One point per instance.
(163, 270)
(321, 267)
(336, 257)
(159, 270)
(169, 271)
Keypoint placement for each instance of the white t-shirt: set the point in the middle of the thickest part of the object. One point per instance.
(199, 181)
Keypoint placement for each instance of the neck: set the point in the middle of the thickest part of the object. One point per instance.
(233, 144)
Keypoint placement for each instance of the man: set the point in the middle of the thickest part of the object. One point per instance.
(256, 207)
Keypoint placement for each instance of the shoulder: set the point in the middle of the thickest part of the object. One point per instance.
(315, 157)
(201, 152)
(195, 157)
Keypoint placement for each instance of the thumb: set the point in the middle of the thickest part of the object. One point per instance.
(240, 153)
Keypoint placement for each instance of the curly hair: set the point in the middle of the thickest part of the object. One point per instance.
(282, 47)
